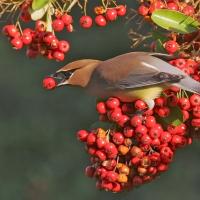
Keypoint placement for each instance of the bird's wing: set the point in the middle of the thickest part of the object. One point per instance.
(146, 79)
(131, 70)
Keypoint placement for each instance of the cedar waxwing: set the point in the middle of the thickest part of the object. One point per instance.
(135, 75)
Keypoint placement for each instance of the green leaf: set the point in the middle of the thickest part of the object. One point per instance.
(175, 117)
(38, 14)
(174, 21)
(38, 4)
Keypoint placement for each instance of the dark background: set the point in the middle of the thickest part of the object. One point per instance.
(40, 158)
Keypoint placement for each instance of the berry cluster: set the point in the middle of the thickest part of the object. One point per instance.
(38, 41)
(171, 42)
(108, 15)
(189, 66)
(137, 148)
(53, 17)
(148, 7)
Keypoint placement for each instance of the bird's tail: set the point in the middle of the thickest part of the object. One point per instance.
(190, 85)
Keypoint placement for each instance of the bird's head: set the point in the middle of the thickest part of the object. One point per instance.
(76, 73)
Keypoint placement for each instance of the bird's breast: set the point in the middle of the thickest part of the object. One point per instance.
(151, 92)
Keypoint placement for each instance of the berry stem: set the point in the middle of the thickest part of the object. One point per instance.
(72, 4)
(85, 7)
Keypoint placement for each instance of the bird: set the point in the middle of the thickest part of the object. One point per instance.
(130, 76)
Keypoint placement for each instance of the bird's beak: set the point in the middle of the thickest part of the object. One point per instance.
(61, 77)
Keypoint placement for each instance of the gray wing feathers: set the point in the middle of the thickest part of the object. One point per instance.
(142, 80)
(139, 69)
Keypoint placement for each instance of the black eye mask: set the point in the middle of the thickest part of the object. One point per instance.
(62, 76)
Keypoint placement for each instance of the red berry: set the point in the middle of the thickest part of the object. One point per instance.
(116, 187)
(184, 103)
(111, 14)
(115, 115)
(155, 142)
(162, 167)
(186, 115)
(141, 130)
(49, 38)
(195, 122)
(155, 159)
(16, 43)
(181, 129)
(112, 103)
(180, 63)
(85, 21)
(58, 25)
(172, 6)
(165, 137)
(155, 132)
(109, 164)
(140, 105)
(91, 139)
(196, 112)
(100, 20)
(89, 171)
(111, 176)
(136, 121)
(91, 150)
(163, 111)
(49, 83)
(188, 10)
(69, 28)
(192, 63)
(123, 120)
(107, 185)
(166, 154)
(101, 142)
(143, 10)
(176, 140)
(27, 39)
(150, 121)
(152, 170)
(171, 46)
(111, 150)
(58, 56)
(161, 101)
(63, 46)
(101, 108)
(11, 30)
(158, 4)
(121, 10)
(146, 140)
(25, 16)
(128, 132)
(135, 161)
(101, 155)
(195, 100)
(28, 31)
(118, 138)
(82, 135)
(148, 112)
(67, 19)
(54, 44)
(40, 26)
